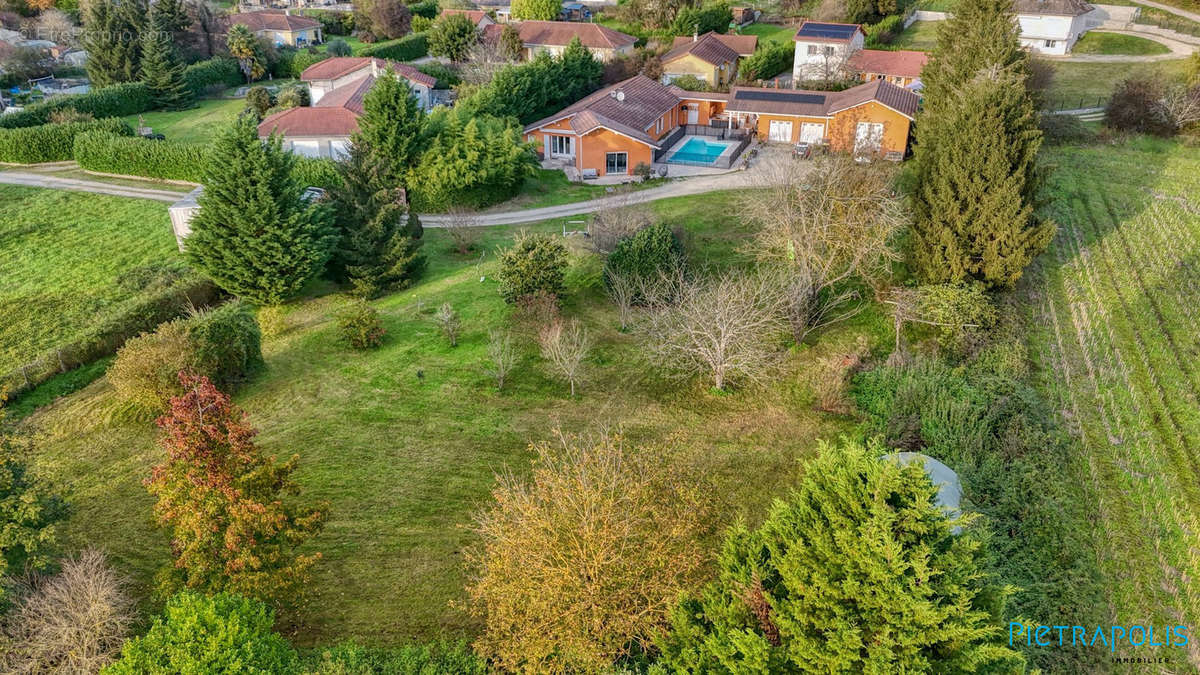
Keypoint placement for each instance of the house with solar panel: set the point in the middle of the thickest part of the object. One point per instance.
(643, 121)
(823, 48)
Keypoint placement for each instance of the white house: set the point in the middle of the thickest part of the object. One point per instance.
(822, 49)
(1052, 26)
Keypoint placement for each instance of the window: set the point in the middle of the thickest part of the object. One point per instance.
(1050, 44)
(658, 126)
(560, 146)
(616, 162)
(812, 49)
(828, 50)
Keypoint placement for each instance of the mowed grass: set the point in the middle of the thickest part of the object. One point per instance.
(194, 125)
(769, 32)
(550, 187)
(1115, 316)
(1081, 84)
(1099, 42)
(60, 256)
(921, 36)
(405, 441)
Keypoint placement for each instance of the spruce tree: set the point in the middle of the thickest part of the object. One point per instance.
(375, 252)
(391, 126)
(581, 72)
(858, 570)
(977, 177)
(111, 38)
(974, 205)
(162, 70)
(254, 234)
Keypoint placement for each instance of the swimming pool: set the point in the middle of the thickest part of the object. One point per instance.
(697, 150)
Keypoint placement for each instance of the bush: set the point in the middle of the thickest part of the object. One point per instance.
(359, 326)
(292, 97)
(885, 31)
(297, 62)
(715, 17)
(259, 100)
(216, 74)
(447, 77)
(690, 83)
(426, 8)
(118, 100)
(197, 634)
(1137, 105)
(169, 160)
(338, 47)
(421, 24)
(469, 165)
(407, 48)
(767, 62)
(316, 172)
(536, 263)
(51, 142)
(647, 254)
(1063, 129)
(439, 658)
(146, 370)
(226, 343)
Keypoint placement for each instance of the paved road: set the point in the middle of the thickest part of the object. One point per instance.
(57, 183)
(1167, 8)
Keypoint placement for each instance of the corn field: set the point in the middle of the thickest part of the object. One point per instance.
(1115, 312)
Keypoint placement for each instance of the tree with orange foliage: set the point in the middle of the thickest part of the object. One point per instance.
(223, 498)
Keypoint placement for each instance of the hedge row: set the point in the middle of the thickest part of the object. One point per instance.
(426, 8)
(170, 160)
(51, 142)
(767, 62)
(407, 48)
(118, 100)
(140, 314)
(293, 62)
(317, 172)
(216, 72)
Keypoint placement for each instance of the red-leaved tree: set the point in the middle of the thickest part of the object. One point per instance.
(223, 498)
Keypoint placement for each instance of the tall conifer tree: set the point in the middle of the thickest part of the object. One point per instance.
(254, 234)
(112, 38)
(162, 70)
(391, 126)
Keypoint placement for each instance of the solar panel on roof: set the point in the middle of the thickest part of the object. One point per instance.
(783, 96)
(829, 31)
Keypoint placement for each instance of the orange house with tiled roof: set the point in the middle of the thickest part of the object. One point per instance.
(712, 57)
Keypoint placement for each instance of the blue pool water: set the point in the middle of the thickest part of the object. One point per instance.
(700, 151)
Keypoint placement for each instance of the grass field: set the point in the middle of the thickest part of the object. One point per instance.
(405, 441)
(196, 125)
(550, 187)
(921, 36)
(1080, 85)
(60, 255)
(1099, 42)
(768, 32)
(1115, 308)
(354, 42)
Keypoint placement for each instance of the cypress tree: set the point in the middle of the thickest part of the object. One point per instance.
(858, 570)
(391, 126)
(162, 71)
(976, 152)
(254, 234)
(111, 37)
(375, 253)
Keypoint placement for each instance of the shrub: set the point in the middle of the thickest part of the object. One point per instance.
(1063, 129)
(1137, 105)
(72, 622)
(226, 343)
(293, 96)
(767, 62)
(885, 31)
(452, 36)
(421, 24)
(146, 370)
(259, 100)
(29, 511)
(469, 165)
(714, 17)
(197, 634)
(579, 564)
(448, 322)
(649, 253)
(298, 62)
(407, 48)
(536, 263)
(338, 47)
(439, 658)
(51, 142)
(426, 8)
(359, 326)
(118, 100)
(447, 77)
(690, 83)
(316, 172)
(110, 153)
(862, 546)
(216, 74)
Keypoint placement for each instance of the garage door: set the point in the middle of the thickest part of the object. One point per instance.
(868, 138)
(812, 133)
(780, 131)
(306, 148)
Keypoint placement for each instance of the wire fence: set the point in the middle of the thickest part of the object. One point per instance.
(1075, 103)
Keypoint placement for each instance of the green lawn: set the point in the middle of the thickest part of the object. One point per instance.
(550, 187)
(405, 441)
(1098, 42)
(768, 32)
(921, 36)
(354, 42)
(1082, 85)
(197, 124)
(1114, 328)
(60, 256)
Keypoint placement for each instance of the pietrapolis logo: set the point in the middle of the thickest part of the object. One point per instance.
(1091, 636)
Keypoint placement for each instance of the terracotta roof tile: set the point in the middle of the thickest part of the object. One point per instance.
(560, 33)
(744, 45)
(899, 99)
(805, 103)
(316, 122)
(629, 107)
(273, 20)
(902, 63)
(707, 48)
(339, 66)
(474, 15)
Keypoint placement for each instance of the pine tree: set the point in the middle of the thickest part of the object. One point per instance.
(859, 570)
(375, 253)
(391, 126)
(110, 36)
(978, 178)
(222, 497)
(254, 234)
(162, 71)
(581, 72)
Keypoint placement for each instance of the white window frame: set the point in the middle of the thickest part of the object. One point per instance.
(562, 146)
(614, 159)
(874, 136)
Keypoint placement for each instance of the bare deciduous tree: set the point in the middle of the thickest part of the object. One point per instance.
(726, 327)
(825, 226)
(611, 225)
(448, 322)
(72, 622)
(483, 61)
(565, 346)
(463, 227)
(502, 357)
(624, 291)
(1182, 105)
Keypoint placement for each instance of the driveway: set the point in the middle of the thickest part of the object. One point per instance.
(41, 180)
(1179, 50)
(1167, 8)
